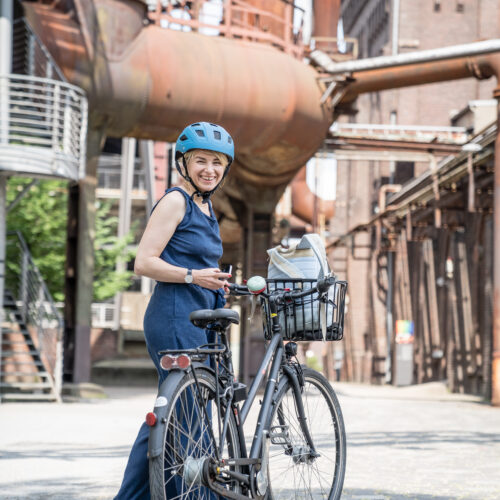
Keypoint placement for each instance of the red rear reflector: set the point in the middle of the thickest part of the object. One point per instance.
(183, 361)
(150, 419)
(167, 361)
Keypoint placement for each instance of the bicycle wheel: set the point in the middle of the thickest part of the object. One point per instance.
(187, 442)
(293, 473)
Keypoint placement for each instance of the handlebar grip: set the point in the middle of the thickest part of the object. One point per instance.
(324, 284)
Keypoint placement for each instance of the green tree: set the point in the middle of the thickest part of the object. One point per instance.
(41, 217)
(109, 249)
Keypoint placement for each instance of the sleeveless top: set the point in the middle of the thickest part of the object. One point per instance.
(195, 244)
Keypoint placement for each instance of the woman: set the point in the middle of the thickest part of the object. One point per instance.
(180, 249)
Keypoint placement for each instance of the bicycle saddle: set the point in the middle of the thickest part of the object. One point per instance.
(218, 319)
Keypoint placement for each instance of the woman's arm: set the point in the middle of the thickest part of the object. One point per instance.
(161, 226)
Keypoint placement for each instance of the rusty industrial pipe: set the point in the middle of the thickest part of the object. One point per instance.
(303, 201)
(480, 67)
(148, 82)
(324, 26)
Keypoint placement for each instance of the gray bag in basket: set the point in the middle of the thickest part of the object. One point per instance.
(306, 260)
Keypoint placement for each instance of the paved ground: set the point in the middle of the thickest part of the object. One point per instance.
(403, 443)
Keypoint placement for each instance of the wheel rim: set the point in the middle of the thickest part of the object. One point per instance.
(188, 442)
(293, 472)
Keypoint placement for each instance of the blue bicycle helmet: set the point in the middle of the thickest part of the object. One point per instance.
(208, 136)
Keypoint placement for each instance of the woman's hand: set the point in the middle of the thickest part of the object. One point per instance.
(211, 278)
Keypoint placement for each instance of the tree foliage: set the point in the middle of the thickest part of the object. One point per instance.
(41, 217)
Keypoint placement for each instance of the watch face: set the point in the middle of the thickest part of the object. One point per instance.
(189, 277)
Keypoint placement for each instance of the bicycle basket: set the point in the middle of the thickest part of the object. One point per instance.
(300, 319)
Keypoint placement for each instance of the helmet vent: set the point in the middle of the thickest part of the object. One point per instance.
(229, 140)
(183, 138)
(195, 125)
(217, 135)
(200, 133)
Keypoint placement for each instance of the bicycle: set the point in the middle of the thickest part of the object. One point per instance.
(197, 446)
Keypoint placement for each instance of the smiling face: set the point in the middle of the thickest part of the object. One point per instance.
(205, 168)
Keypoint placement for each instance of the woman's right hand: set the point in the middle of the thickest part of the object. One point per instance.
(211, 278)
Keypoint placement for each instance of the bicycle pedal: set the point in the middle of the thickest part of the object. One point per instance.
(279, 435)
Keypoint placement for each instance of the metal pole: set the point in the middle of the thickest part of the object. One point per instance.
(6, 19)
(495, 365)
(146, 149)
(395, 26)
(422, 56)
(126, 183)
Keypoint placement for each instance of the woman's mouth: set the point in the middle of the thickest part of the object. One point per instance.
(207, 179)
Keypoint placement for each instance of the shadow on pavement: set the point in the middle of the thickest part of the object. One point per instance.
(420, 440)
(40, 450)
(365, 494)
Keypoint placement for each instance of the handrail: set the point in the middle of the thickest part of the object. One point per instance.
(43, 127)
(36, 306)
(234, 25)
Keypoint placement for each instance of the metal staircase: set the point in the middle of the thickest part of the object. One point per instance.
(31, 334)
(43, 130)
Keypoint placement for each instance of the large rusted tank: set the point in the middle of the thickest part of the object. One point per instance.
(149, 82)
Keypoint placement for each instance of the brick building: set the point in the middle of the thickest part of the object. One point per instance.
(419, 25)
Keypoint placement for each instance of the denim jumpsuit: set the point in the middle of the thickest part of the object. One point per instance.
(195, 244)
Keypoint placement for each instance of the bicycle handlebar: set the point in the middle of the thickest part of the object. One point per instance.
(321, 287)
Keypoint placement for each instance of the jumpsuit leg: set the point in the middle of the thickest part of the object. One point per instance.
(135, 485)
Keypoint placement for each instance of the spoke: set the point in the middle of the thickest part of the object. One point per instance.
(188, 436)
(313, 480)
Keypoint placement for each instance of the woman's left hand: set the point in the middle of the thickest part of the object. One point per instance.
(211, 278)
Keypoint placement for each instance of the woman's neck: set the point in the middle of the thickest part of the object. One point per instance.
(197, 199)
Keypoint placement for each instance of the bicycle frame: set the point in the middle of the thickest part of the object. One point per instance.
(273, 361)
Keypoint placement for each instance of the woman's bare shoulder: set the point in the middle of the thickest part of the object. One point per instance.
(173, 205)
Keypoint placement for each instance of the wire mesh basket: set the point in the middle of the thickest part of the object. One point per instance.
(300, 319)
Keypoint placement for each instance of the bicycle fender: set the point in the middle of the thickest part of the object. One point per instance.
(167, 388)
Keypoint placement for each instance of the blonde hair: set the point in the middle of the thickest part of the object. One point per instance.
(220, 156)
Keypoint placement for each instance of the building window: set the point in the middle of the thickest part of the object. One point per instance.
(437, 5)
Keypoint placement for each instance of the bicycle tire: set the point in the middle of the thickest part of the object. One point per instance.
(290, 475)
(184, 440)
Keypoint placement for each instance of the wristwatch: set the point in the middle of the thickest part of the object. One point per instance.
(189, 276)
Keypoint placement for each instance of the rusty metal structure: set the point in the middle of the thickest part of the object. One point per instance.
(423, 225)
(148, 82)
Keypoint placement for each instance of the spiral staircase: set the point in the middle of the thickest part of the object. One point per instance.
(43, 127)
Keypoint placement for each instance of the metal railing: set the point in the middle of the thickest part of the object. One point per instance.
(110, 178)
(456, 135)
(43, 126)
(235, 19)
(36, 306)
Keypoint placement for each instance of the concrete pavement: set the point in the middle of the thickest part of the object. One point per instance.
(403, 443)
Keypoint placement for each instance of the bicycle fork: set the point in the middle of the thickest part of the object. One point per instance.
(310, 453)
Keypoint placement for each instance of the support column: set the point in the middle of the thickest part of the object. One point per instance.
(125, 211)
(80, 266)
(495, 365)
(257, 240)
(6, 19)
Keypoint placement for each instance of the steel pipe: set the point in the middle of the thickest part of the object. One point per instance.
(422, 56)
